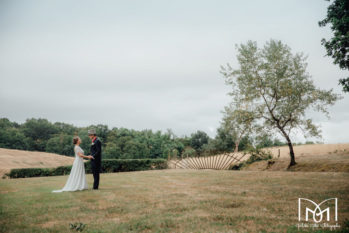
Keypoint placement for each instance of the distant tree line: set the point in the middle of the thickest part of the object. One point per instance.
(121, 143)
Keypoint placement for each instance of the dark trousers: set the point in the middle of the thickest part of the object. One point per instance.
(96, 168)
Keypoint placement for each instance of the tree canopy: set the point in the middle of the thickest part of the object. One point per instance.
(338, 46)
(239, 121)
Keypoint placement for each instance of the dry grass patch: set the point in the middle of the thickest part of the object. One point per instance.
(10, 159)
(318, 161)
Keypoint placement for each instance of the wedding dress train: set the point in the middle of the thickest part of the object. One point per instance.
(77, 179)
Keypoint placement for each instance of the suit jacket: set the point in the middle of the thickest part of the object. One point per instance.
(96, 151)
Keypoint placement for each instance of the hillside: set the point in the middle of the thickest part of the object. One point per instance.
(10, 159)
(315, 157)
(311, 149)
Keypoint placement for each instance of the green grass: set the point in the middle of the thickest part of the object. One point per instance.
(170, 201)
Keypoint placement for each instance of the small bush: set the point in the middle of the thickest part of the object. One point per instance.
(108, 166)
(29, 172)
(255, 155)
(79, 226)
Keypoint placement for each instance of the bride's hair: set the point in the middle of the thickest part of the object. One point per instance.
(75, 139)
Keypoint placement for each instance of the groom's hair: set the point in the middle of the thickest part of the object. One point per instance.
(75, 139)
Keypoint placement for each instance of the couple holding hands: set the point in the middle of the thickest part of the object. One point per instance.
(77, 178)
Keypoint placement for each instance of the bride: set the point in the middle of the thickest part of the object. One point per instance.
(77, 178)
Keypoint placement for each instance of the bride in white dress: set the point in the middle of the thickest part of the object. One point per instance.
(77, 178)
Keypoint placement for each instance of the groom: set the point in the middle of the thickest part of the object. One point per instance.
(96, 152)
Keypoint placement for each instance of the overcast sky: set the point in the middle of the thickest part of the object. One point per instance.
(149, 64)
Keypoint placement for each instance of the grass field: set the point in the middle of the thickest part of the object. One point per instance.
(173, 200)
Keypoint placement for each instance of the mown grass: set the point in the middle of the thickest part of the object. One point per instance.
(170, 201)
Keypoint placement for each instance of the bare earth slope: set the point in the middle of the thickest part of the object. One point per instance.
(10, 159)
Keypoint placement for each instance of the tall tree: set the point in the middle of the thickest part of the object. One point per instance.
(198, 140)
(276, 84)
(38, 131)
(11, 136)
(338, 46)
(61, 144)
(238, 120)
(223, 140)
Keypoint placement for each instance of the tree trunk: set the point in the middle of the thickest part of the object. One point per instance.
(290, 146)
(236, 146)
(293, 160)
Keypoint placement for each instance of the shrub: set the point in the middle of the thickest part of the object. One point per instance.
(108, 166)
(189, 152)
(29, 172)
(255, 155)
(124, 165)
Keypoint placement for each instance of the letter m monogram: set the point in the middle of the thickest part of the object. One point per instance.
(317, 212)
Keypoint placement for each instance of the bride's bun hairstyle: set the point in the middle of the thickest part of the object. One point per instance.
(75, 139)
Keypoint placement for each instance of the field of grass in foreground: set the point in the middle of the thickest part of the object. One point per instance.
(170, 201)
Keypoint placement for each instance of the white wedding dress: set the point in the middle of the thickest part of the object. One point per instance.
(77, 179)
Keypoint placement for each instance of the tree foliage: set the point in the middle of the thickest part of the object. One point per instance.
(238, 121)
(198, 140)
(117, 143)
(38, 131)
(338, 46)
(60, 144)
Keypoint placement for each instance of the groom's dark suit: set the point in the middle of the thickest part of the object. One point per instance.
(96, 152)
